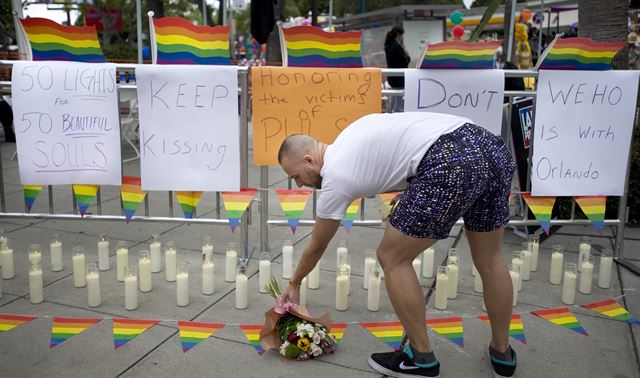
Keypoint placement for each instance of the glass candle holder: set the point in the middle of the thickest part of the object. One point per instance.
(35, 253)
(231, 261)
(6, 260)
(586, 274)
(534, 247)
(264, 271)
(342, 288)
(453, 269)
(208, 266)
(103, 252)
(144, 267)
(207, 246)
(569, 283)
(287, 259)
(170, 261)
(584, 250)
(122, 259)
(79, 266)
(94, 298)
(182, 284)
(130, 287)
(557, 262)
(442, 285)
(370, 263)
(155, 252)
(242, 294)
(36, 287)
(606, 265)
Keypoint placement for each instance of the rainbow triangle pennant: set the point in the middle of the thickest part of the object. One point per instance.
(386, 199)
(389, 332)
(562, 316)
(235, 203)
(65, 328)
(125, 330)
(350, 215)
(193, 333)
(450, 328)
(338, 330)
(10, 321)
(541, 207)
(188, 202)
(516, 328)
(612, 309)
(309, 46)
(132, 196)
(252, 333)
(594, 208)
(460, 55)
(293, 203)
(580, 54)
(30, 194)
(84, 195)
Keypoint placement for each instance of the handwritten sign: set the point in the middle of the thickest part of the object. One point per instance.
(189, 129)
(582, 132)
(66, 123)
(320, 102)
(474, 94)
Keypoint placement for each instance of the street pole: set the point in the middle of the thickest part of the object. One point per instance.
(204, 11)
(540, 30)
(511, 28)
(139, 28)
(330, 14)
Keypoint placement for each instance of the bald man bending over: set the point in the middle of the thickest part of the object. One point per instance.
(448, 168)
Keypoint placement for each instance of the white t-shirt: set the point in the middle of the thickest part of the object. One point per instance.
(376, 154)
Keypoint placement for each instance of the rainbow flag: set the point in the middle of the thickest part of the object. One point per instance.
(594, 208)
(308, 46)
(132, 195)
(516, 328)
(580, 54)
(561, 316)
(252, 333)
(389, 332)
(188, 202)
(178, 41)
(459, 55)
(541, 207)
(612, 309)
(65, 328)
(235, 203)
(386, 200)
(52, 41)
(350, 215)
(30, 194)
(338, 330)
(84, 195)
(10, 321)
(193, 333)
(450, 328)
(293, 203)
(125, 330)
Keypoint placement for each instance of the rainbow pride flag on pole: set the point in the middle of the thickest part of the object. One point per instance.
(541, 207)
(188, 202)
(30, 194)
(338, 330)
(612, 309)
(132, 195)
(516, 328)
(350, 215)
(594, 208)
(450, 328)
(178, 41)
(11, 321)
(84, 196)
(293, 203)
(389, 332)
(309, 46)
(563, 317)
(459, 55)
(65, 328)
(580, 54)
(193, 333)
(252, 333)
(236, 203)
(52, 41)
(125, 330)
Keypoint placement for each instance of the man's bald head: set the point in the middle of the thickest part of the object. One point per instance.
(296, 146)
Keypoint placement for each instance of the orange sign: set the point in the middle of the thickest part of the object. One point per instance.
(319, 102)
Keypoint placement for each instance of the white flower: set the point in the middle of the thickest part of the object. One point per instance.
(283, 347)
(315, 350)
(303, 330)
(317, 338)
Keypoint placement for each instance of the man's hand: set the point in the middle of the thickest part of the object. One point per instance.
(292, 294)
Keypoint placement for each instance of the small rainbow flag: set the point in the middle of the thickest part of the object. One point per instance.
(612, 309)
(580, 54)
(235, 203)
(252, 333)
(594, 208)
(541, 207)
(338, 330)
(350, 215)
(293, 203)
(65, 328)
(188, 202)
(30, 194)
(516, 328)
(178, 41)
(52, 41)
(389, 332)
(309, 46)
(84, 195)
(450, 328)
(460, 55)
(386, 200)
(10, 321)
(193, 333)
(132, 195)
(562, 316)
(125, 330)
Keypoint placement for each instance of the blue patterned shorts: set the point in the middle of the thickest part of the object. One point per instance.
(466, 173)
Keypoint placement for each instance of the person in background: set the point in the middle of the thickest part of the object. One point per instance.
(397, 57)
(6, 118)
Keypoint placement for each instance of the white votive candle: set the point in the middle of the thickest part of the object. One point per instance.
(427, 262)
(6, 262)
(442, 284)
(130, 288)
(584, 250)
(79, 267)
(36, 284)
(517, 260)
(208, 286)
(514, 272)
(606, 264)
(557, 260)
(144, 269)
(155, 250)
(373, 295)
(231, 260)
(170, 261)
(452, 283)
(586, 275)
(369, 266)
(287, 259)
(526, 262)
(341, 251)
(35, 254)
(103, 252)
(242, 293)
(182, 285)
(417, 266)
(314, 277)
(94, 299)
(569, 284)
(55, 249)
(207, 246)
(534, 247)
(303, 291)
(264, 271)
(122, 259)
(342, 289)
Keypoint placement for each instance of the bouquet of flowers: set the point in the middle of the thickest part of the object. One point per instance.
(292, 330)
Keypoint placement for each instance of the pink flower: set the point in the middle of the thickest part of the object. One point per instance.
(282, 306)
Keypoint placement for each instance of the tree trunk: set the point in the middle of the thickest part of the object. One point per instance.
(605, 24)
